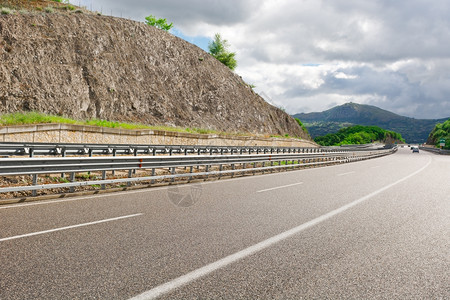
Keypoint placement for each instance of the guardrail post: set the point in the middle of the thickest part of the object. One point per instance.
(90, 155)
(114, 154)
(153, 174)
(103, 186)
(130, 175)
(233, 167)
(172, 172)
(191, 168)
(135, 153)
(72, 179)
(35, 179)
(63, 154)
(220, 170)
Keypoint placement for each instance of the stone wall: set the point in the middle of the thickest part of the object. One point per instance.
(68, 133)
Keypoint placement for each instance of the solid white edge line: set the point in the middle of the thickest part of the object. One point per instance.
(279, 187)
(342, 174)
(78, 198)
(67, 227)
(203, 271)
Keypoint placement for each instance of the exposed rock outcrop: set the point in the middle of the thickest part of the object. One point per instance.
(88, 66)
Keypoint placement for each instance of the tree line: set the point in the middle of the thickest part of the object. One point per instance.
(357, 135)
(441, 131)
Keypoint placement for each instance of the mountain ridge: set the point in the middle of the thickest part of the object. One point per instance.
(331, 120)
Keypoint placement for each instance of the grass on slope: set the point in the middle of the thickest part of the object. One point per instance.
(23, 118)
(20, 118)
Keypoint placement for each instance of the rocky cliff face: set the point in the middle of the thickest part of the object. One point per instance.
(89, 66)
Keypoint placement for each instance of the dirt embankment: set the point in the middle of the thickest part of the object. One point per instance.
(88, 66)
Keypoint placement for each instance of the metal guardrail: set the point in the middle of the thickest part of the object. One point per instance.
(73, 149)
(435, 150)
(224, 164)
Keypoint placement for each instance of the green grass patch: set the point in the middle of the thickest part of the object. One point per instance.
(6, 11)
(68, 7)
(286, 136)
(86, 176)
(25, 118)
(32, 118)
(112, 124)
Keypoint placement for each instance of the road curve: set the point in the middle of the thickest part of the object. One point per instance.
(375, 229)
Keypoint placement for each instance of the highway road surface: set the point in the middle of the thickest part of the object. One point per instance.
(376, 229)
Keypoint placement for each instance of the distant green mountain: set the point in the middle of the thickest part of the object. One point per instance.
(330, 121)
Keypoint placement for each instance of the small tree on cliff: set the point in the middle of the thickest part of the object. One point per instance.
(158, 23)
(218, 48)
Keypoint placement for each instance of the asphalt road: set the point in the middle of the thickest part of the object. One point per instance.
(376, 229)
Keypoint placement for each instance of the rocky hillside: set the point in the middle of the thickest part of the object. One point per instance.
(89, 66)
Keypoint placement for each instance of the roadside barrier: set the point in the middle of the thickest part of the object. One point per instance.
(71, 149)
(436, 150)
(219, 162)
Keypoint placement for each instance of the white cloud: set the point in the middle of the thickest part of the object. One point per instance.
(341, 75)
(310, 55)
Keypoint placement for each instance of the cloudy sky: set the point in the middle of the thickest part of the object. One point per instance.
(311, 55)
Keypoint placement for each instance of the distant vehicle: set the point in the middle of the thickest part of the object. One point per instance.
(415, 149)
